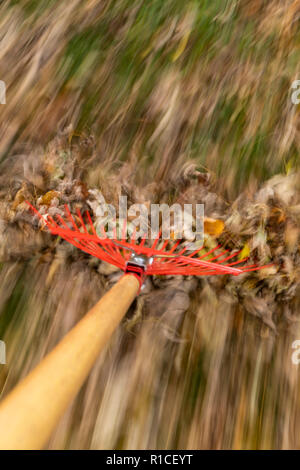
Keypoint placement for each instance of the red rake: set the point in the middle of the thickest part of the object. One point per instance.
(138, 258)
(29, 414)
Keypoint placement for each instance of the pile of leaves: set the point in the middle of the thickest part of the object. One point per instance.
(263, 225)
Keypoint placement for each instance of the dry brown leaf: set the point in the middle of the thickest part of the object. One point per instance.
(47, 198)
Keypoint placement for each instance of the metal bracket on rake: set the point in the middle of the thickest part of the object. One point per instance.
(160, 257)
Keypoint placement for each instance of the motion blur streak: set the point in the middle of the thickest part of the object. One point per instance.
(165, 102)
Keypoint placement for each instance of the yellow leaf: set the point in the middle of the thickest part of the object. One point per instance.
(245, 253)
(182, 45)
(288, 166)
(213, 227)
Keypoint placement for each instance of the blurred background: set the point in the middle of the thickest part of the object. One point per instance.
(164, 101)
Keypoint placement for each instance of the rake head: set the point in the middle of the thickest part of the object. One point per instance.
(160, 257)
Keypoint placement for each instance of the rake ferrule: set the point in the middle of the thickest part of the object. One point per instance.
(137, 265)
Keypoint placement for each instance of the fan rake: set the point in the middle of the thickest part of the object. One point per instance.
(159, 257)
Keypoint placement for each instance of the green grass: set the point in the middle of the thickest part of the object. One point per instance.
(115, 61)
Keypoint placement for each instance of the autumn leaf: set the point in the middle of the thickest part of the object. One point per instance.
(47, 198)
(245, 251)
(213, 227)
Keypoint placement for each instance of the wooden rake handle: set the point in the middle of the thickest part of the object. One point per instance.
(30, 413)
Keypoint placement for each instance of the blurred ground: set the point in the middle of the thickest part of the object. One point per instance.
(164, 102)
